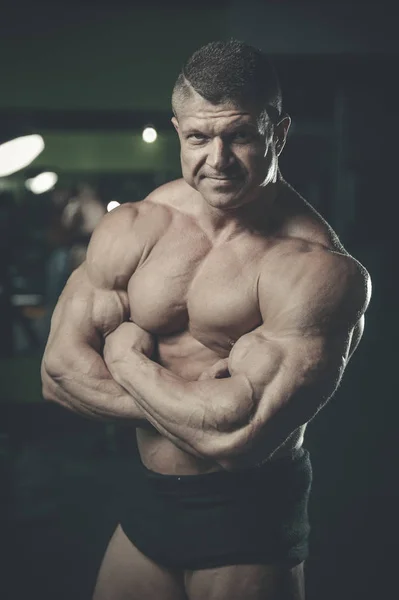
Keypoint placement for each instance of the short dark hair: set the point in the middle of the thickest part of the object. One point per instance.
(231, 71)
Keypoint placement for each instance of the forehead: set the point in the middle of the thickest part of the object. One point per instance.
(198, 112)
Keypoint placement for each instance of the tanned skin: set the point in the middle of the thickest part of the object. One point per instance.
(217, 316)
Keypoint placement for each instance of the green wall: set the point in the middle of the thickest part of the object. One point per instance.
(108, 151)
(110, 59)
(80, 58)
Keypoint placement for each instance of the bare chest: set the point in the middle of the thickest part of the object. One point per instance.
(188, 286)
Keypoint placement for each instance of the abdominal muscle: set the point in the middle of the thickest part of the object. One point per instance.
(188, 358)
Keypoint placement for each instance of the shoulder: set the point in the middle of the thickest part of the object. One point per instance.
(120, 240)
(302, 221)
(176, 196)
(309, 283)
(170, 193)
(127, 234)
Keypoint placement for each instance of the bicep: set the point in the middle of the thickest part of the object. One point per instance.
(257, 358)
(296, 372)
(295, 360)
(274, 369)
(290, 379)
(94, 302)
(84, 315)
(313, 314)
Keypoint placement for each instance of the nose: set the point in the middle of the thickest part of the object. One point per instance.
(219, 156)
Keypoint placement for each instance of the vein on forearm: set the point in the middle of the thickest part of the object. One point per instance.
(162, 396)
(191, 413)
(103, 399)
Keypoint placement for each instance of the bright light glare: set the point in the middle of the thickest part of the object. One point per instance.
(111, 205)
(42, 183)
(149, 135)
(19, 153)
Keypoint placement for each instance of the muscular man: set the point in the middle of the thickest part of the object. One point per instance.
(217, 316)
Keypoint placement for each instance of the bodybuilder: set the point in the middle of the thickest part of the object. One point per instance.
(217, 316)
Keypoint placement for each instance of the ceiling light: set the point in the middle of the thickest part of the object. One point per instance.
(19, 153)
(149, 135)
(111, 205)
(42, 183)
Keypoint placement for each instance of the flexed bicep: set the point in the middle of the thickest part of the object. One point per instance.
(93, 305)
(295, 360)
(73, 371)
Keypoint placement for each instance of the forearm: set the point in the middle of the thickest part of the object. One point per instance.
(83, 384)
(210, 419)
(247, 456)
(194, 415)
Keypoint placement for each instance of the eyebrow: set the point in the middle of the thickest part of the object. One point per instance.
(230, 130)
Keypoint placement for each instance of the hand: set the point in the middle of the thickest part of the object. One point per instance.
(217, 371)
(126, 338)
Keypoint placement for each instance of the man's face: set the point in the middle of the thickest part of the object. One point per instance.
(224, 155)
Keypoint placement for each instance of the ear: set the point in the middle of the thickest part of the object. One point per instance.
(280, 133)
(285, 124)
(175, 123)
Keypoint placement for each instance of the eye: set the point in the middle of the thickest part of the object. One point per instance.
(242, 137)
(197, 137)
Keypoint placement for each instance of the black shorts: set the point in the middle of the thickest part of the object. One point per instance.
(221, 518)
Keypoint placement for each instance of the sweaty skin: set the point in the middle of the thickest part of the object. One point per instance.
(217, 315)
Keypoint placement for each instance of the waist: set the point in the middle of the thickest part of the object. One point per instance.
(270, 475)
(160, 455)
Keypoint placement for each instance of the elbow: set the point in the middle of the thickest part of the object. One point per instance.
(48, 387)
(229, 450)
(245, 448)
(49, 383)
(46, 393)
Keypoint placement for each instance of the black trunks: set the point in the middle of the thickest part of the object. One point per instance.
(221, 518)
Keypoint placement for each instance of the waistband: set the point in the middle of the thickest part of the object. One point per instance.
(269, 472)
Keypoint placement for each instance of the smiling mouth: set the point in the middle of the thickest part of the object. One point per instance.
(223, 178)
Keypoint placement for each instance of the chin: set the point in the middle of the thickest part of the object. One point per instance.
(224, 201)
(220, 197)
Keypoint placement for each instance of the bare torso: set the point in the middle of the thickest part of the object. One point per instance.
(198, 296)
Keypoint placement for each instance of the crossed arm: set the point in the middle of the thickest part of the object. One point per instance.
(94, 303)
(282, 373)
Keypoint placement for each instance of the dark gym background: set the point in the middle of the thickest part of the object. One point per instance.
(88, 76)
